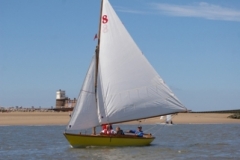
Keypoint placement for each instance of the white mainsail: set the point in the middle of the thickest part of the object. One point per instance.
(128, 87)
(131, 88)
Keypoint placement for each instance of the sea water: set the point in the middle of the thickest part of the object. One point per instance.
(185, 141)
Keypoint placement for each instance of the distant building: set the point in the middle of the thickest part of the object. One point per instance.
(62, 101)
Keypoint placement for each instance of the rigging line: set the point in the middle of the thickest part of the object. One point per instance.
(162, 126)
(158, 129)
(154, 127)
(151, 128)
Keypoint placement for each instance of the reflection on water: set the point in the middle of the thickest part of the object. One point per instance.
(214, 141)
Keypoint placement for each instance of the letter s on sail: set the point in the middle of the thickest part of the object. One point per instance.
(104, 19)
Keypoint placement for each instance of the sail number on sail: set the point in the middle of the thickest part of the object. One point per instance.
(105, 21)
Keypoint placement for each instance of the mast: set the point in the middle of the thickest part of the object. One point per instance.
(97, 59)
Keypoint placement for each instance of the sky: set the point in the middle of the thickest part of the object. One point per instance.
(47, 45)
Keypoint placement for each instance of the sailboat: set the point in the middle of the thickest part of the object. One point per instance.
(169, 119)
(120, 86)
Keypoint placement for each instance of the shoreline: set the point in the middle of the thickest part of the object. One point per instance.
(62, 118)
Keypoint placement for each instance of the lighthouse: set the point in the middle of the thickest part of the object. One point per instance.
(62, 101)
(60, 98)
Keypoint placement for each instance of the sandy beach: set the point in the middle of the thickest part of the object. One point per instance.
(34, 118)
(197, 118)
(62, 118)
